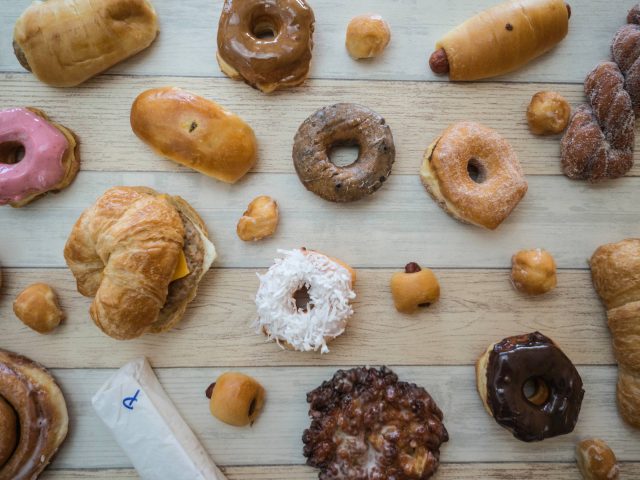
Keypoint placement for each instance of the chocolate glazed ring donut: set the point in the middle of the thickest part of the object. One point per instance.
(506, 370)
(267, 43)
(343, 124)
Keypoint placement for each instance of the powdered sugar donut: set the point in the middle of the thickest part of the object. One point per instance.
(328, 284)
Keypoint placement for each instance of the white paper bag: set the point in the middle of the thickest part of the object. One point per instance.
(149, 429)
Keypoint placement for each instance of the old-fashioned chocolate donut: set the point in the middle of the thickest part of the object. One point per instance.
(338, 125)
(267, 43)
(505, 371)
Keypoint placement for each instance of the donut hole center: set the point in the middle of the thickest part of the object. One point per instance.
(303, 299)
(345, 153)
(476, 170)
(264, 28)
(11, 152)
(536, 391)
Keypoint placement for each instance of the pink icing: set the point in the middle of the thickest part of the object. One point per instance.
(44, 145)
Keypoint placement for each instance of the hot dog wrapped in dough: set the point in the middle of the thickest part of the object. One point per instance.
(501, 39)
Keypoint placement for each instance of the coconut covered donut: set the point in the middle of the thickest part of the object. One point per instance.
(299, 323)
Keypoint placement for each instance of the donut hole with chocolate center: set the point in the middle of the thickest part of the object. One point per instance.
(11, 152)
(476, 170)
(536, 391)
(303, 299)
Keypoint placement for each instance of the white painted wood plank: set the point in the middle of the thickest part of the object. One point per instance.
(398, 223)
(275, 437)
(457, 471)
(476, 308)
(187, 42)
(417, 112)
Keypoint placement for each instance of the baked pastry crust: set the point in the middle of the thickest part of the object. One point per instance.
(195, 132)
(615, 271)
(65, 43)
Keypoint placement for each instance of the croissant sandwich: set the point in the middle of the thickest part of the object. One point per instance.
(141, 254)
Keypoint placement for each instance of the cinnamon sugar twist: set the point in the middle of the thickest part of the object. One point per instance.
(600, 139)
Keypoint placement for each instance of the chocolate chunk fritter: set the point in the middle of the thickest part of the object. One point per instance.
(366, 425)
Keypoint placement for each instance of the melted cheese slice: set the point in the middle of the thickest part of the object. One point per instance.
(182, 270)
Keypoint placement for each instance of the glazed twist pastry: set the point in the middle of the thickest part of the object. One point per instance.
(33, 417)
(599, 141)
(615, 270)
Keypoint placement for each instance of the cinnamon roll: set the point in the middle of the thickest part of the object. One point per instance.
(33, 417)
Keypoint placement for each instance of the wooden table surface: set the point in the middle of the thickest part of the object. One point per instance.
(435, 348)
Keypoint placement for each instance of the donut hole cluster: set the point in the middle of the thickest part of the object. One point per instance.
(344, 153)
(476, 170)
(11, 152)
(536, 391)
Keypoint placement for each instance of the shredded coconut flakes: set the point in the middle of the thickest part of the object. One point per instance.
(330, 293)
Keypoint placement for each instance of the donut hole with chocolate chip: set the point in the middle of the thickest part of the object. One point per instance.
(11, 152)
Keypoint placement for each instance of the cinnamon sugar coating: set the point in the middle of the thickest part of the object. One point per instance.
(599, 141)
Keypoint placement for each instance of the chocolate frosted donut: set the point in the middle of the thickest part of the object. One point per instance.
(505, 370)
(267, 43)
(343, 124)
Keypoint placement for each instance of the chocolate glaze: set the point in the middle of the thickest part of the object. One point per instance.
(517, 359)
(343, 124)
(282, 59)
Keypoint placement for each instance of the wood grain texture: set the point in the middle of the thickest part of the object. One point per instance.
(284, 418)
(397, 224)
(98, 112)
(485, 471)
(435, 348)
(416, 26)
(477, 307)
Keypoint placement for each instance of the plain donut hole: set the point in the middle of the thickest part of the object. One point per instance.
(264, 28)
(302, 299)
(11, 152)
(343, 154)
(536, 391)
(476, 170)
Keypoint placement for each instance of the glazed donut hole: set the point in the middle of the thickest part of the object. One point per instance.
(38, 308)
(533, 271)
(367, 36)
(548, 113)
(11, 152)
(259, 220)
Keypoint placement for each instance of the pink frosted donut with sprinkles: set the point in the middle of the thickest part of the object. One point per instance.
(36, 156)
